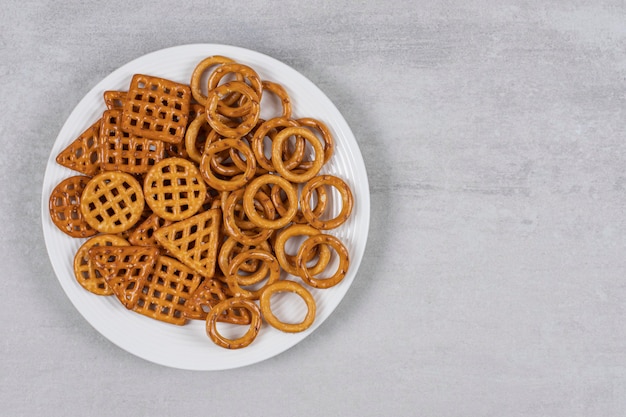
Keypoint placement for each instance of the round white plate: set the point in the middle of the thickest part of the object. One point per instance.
(188, 347)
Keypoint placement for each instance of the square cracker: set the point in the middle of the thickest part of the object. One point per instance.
(156, 108)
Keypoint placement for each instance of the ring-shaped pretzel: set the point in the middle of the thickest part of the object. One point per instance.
(269, 129)
(217, 161)
(313, 216)
(231, 248)
(199, 70)
(242, 73)
(280, 92)
(249, 196)
(250, 237)
(318, 210)
(216, 119)
(309, 245)
(287, 286)
(329, 142)
(261, 201)
(216, 312)
(288, 262)
(232, 183)
(235, 281)
(277, 151)
(236, 68)
(191, 137)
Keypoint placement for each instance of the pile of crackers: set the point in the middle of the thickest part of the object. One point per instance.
(158, 191)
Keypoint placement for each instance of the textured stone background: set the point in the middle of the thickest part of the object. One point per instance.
(494, 278)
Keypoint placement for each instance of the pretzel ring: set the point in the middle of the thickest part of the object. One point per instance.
(282, 95)
(242, 73)
(235, 281)
(318, 210)
(309, 245)
(317, 183)
(191, 137)
(258, 144)
(329, 142)
(255, 237)
(249, 197)
(287, 286)
(217, 165)
(231, 248)
(287, 262)
(199, 70)
(216, 120)
(235, 182)
(230, 303)
(277, 146)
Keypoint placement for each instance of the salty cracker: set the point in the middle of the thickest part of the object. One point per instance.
(65, 207)
(112, 202)
(165, 291)
(123, 151)
(194, 241)
(84, 269)
(114, 99)
(125, 269)
(156, 108)
(174, 189)
(82, 154)
(143, 233)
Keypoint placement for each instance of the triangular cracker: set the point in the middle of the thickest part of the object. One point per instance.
(194, 241)
(82, 154)
(125, 269)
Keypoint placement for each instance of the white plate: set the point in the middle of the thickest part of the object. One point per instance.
(188, 347)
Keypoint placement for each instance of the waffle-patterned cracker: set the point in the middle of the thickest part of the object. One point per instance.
(112, 202)
(194, 241)
(114, 99)
(174, 189)
(65, 207)
(123, 151)
(82, 154)
(125, 269)
(156, 108)
(143, 234)
(84, 269)
(165, 291)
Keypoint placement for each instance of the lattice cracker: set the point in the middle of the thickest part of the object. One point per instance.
(125, 269)
(123, 151)
(166, 290)
(174, 189)
(65, 207)
(194, 241)
(112, 202)
(114, 99)
(156, 108)
(82, 154)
